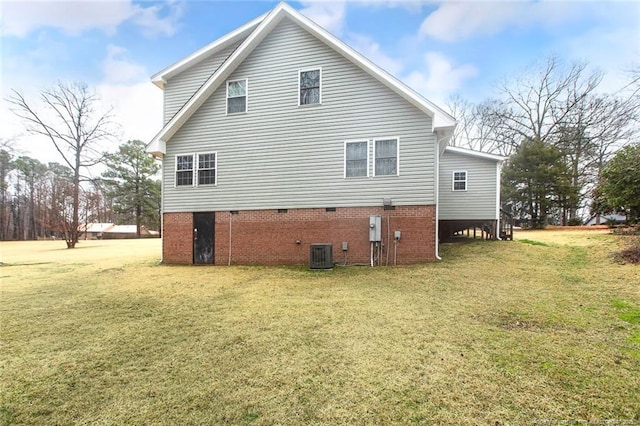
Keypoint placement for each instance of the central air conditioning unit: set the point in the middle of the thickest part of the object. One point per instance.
(321, 256)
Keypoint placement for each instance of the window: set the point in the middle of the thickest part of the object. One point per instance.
(203, 166)
(386, 157)
(459, 181)
(184, 170)
(309, 82)
(236, 96)
(207, 169)
(356, 159)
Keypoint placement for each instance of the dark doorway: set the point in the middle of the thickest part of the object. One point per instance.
(203, 237)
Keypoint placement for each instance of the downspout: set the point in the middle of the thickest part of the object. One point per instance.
(161, 207)
(437, 197)
(498, 168)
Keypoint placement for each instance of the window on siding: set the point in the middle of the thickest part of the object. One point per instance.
(356, 159)
(236, 96)
(459, 181)
(310, 86)
(386, 157)
(207, 169)
(184, 170)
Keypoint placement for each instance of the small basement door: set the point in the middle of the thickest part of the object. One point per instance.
(203, 237)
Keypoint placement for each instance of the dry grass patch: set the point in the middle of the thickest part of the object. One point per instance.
(505, 332)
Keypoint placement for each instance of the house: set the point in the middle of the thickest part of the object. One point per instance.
(128, 231)
(93, 230)
(111, 231)
(605, 219)
(469, 192)
(282, 145)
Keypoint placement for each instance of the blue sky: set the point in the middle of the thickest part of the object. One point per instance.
(437, 48)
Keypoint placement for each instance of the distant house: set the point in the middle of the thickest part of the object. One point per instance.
(92, 231)
(128, 231)
(606, 219)
(278, 136)
(111, 231)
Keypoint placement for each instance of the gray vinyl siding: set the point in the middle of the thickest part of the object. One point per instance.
(179, 89)
(479, 200)
(280, 155)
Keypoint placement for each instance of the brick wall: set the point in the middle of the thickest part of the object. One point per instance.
(269, 237)
(177, 238)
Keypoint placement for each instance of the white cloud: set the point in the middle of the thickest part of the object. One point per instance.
(371, 49)
(75, 17)
(137, 103)
(149, 19)
(460, 20)
(137, 108)
(329, 15)
(613, 50)
(117, 69)
(441, 79)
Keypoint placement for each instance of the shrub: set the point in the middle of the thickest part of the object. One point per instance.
(574, 221)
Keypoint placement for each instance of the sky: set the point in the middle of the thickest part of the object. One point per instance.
(438, 48)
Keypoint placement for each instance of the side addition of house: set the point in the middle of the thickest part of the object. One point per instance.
(280, 140)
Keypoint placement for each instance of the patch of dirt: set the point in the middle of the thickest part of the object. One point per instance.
(629, 255)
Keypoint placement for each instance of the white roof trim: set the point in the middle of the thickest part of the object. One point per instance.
(161, 77)
(478, 154)
(440, 119)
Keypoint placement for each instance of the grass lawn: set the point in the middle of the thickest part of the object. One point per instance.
(541, 330)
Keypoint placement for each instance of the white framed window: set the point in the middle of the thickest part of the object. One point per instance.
(356, 159)
(196, 169)
(310, 86)
(459, 180)
(237, 96)
(386, 157)
(207, 168)
(184, 170)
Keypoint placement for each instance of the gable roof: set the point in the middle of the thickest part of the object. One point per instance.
(472, 153)
(257, 30)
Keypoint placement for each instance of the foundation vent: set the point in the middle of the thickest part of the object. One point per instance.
(321, 256)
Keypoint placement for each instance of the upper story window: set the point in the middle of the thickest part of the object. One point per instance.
(459, 181)
(207, 169)
(184, 170)
(356, 159)
(386, 157)
(236, 96)
(309, 82)
(196, 169)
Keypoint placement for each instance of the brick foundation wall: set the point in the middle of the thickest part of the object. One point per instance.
(269, 237)
(177, 238)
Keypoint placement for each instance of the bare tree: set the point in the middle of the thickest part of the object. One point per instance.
(74, 127)
(536, 105)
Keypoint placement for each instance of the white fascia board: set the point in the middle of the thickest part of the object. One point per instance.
(440, 118)
(478, 154)
(160, 78)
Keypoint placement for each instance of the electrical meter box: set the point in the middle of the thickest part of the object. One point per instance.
(375, 229)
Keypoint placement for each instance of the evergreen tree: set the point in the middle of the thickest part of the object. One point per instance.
(620, 186)
(130, 184)
(535, 180)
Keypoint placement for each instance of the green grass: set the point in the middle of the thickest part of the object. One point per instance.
(496, 333)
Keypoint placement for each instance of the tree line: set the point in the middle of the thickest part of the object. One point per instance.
(559, 132)
(54, 200)
(36, 199)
